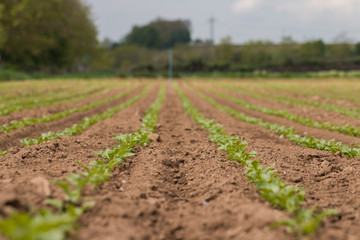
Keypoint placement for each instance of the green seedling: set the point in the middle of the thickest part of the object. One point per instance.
(45, 224)
(31, 121)
(267, 182)
(290, 133)
(346, 129)
(85, 123)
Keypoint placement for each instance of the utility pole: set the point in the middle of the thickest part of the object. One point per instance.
(212, 30)
(170, 69)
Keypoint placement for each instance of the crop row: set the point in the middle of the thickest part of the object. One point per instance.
(296, 102)
(60, 98)
(346, 129)
(32, 121)
(27, 89)
(19, 103)
(326, 89)
(85, 123)
(267, 182)
(290, 133)
(45, 224)
(48, 90)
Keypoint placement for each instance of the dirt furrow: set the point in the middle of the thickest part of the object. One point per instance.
(179, 187)
(331, 181)
(302, 129)
(49, 110)
(329, 100)
(25, 173)
(13, 138)
(313, 113)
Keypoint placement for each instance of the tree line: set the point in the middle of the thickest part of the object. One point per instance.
(202, 56)
(59, 36)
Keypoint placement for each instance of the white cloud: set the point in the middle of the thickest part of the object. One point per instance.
(244, 5)
(297, 6)
(344, 6)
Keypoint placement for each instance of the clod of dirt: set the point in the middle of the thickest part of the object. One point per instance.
(14, 150)
(169, 163)
(325, 168)
(348, 170)
(297, 179)
(143, 196)
(41, 186)
(154, 137)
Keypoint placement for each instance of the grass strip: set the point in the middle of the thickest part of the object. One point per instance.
(32, 121)
(345, 129)
(298, 102)
(290, 133)
(267, 181)
(85, 123)
(56, 225)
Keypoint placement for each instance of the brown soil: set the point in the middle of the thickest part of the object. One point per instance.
(320, 114)
(302, 130)
(27, 89)
(50, 110)
(13, 138)
(180, 186)
(314, 114)
(331, 181)
(339, 102)
(25, 172)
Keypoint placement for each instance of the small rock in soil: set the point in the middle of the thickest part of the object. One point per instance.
(297, 179)
(154, 137)
(41, 186)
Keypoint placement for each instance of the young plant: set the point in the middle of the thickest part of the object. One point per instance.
(267, 182)
(45, 224)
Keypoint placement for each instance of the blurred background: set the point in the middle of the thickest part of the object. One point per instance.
(123, 38)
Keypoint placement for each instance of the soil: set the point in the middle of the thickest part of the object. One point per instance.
(313, 113)
(300, 128)
(50, 110)
(13, 138)
(330, 181)
(25, 172)
(180, 186)
(339, 102)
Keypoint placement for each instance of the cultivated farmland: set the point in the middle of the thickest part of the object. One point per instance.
(201, 159)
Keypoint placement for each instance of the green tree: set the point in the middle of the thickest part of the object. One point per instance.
(313, 50)
(357, 49)
(256, 53)
(46, 34)
(288, 52)
(2, 30)
(160, 34)
(225, 50)
(146, 36)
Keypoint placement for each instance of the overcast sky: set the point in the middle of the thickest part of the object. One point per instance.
(242, 20)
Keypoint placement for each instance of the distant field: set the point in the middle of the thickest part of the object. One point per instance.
(202, 159)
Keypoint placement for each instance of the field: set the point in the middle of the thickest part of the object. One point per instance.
(201, 159)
